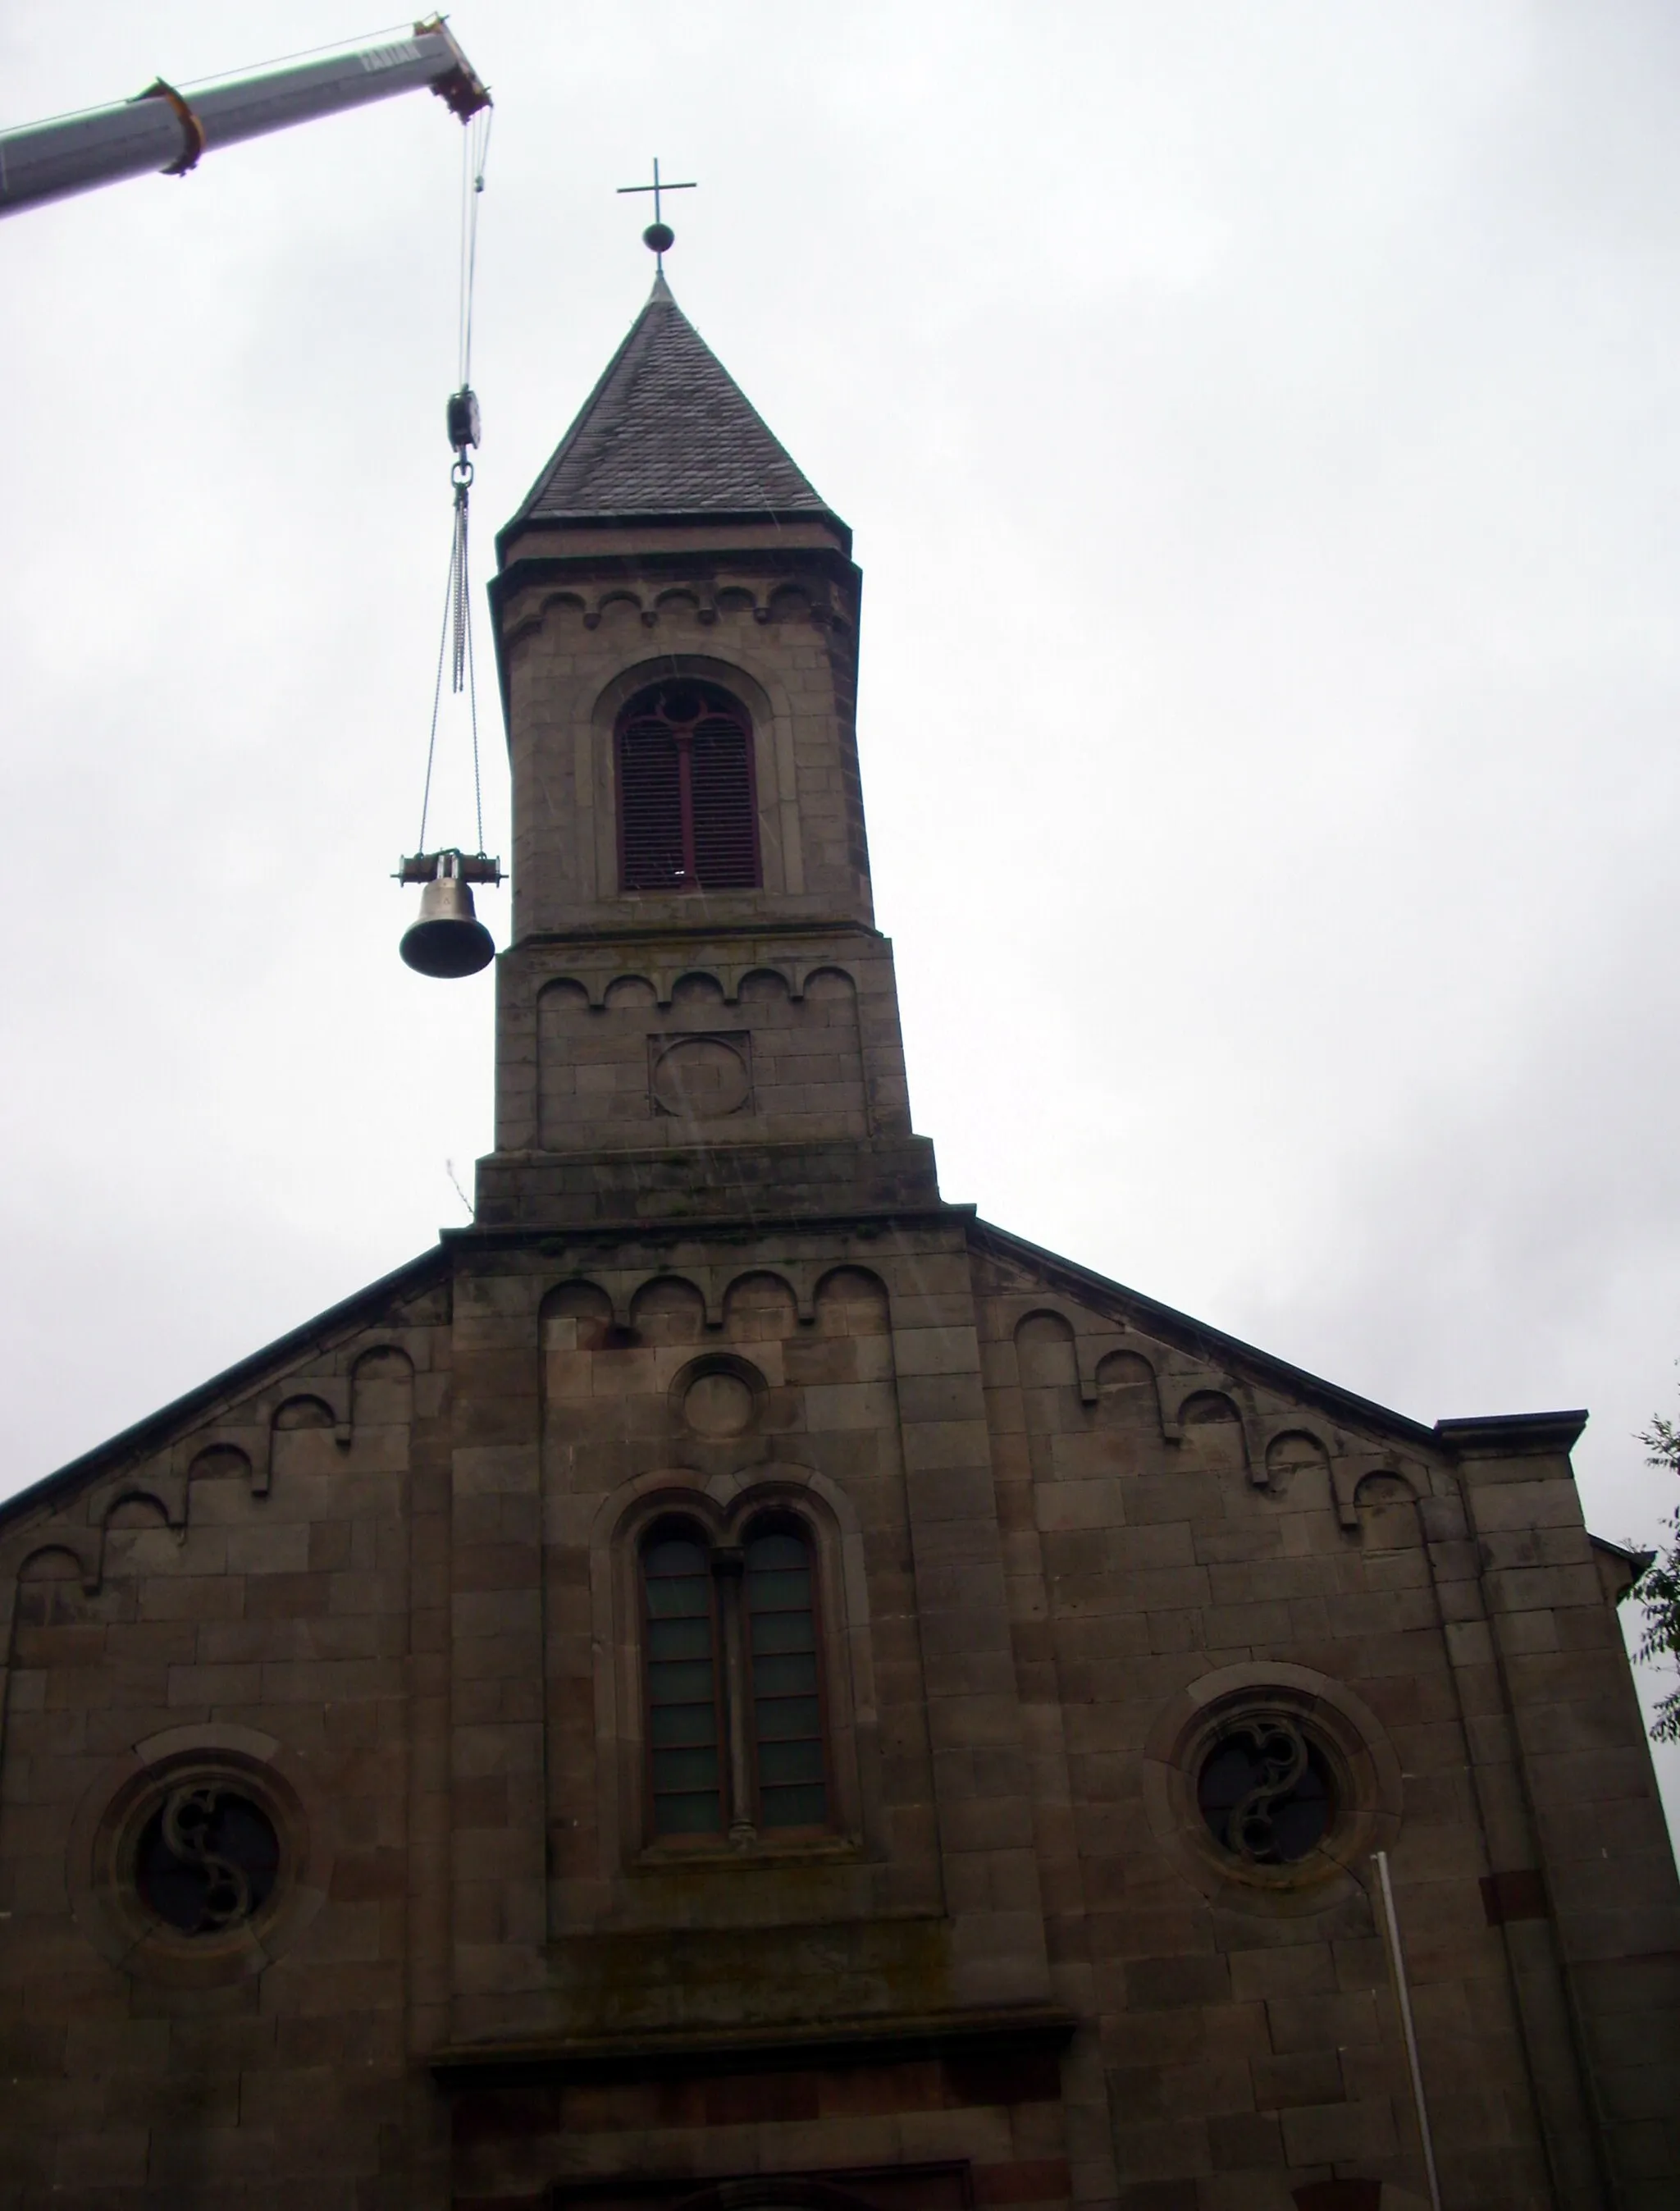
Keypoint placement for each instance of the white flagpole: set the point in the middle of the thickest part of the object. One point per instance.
(1403, 1997)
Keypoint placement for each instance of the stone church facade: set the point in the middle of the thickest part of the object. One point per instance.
(732, 1680)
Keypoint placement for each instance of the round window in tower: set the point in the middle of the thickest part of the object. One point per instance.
(1266, 1790)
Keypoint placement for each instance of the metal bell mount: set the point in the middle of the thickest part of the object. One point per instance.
(447, 939)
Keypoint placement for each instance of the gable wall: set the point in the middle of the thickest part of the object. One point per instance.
(1240, 2033)
(392, 1577)
(264, 1590)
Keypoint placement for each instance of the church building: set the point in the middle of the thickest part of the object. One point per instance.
(733, 1680)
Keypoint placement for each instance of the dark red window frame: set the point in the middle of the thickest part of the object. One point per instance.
(688, 803)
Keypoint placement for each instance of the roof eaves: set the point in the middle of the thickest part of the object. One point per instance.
(674, 517)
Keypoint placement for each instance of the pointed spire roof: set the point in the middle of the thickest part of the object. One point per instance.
(667, 435)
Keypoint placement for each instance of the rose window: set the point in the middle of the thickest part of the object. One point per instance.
(207, 1860)
(1266, 1790)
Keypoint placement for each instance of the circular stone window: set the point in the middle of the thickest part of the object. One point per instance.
(1269, 1785)
(198, 1857)
(207, 1859)
(1266, 1790)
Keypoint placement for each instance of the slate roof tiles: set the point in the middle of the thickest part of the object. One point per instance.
(668, 432)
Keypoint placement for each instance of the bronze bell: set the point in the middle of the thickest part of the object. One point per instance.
(447, 939)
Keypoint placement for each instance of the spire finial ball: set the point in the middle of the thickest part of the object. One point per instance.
(659, 237)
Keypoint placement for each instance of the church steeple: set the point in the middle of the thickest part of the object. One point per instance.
(667, 432)
(697, 1013)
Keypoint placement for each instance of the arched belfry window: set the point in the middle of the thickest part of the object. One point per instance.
(736, 1727)
(687, 807)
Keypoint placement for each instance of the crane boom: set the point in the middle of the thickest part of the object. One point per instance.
(161, 130)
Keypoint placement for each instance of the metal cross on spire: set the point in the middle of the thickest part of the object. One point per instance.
(658, 237)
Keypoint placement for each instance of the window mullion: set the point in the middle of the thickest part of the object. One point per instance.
(727, 1566)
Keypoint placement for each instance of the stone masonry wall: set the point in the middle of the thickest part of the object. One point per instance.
(260, 1594)
(390, 1582)
(1178, 1536)
(860, 1367)
(575, 654)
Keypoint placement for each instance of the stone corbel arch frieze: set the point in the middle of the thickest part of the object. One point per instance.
(1094, 1337)
(596, 978)
(814, 599)
(83, 1544)
(712, 1284)
(249, 1428)
(1349, 1467)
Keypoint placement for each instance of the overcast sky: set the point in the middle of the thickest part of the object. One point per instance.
(1259, 428)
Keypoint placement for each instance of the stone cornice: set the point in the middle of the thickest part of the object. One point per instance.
(874, 2040)
(1512, 1435)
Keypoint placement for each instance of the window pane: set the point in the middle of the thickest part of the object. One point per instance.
(794, 1808)
(782, 1631)
(789, 1761)
(786, 1719)
(792, 1675)
(685, 1769)
(768, 1551)
(687, 1681)
(682, 1689)
(679, 1639)
(680, 1723)
(676, 1556)
(679, 1598)
(779, 1591)
(687, 1815)
(787, 1708)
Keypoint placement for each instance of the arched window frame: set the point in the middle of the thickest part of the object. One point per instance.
(740, 1790)
(685, 826)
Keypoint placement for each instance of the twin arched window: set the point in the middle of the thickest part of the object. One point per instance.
(735, 1724)
(687, 807)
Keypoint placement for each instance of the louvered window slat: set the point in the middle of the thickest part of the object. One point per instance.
(687, 809)
(650, 808)
(725, 849)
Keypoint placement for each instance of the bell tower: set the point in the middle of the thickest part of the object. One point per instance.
(697, 1017)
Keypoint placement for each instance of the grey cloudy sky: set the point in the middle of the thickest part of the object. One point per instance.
(1257, 424)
